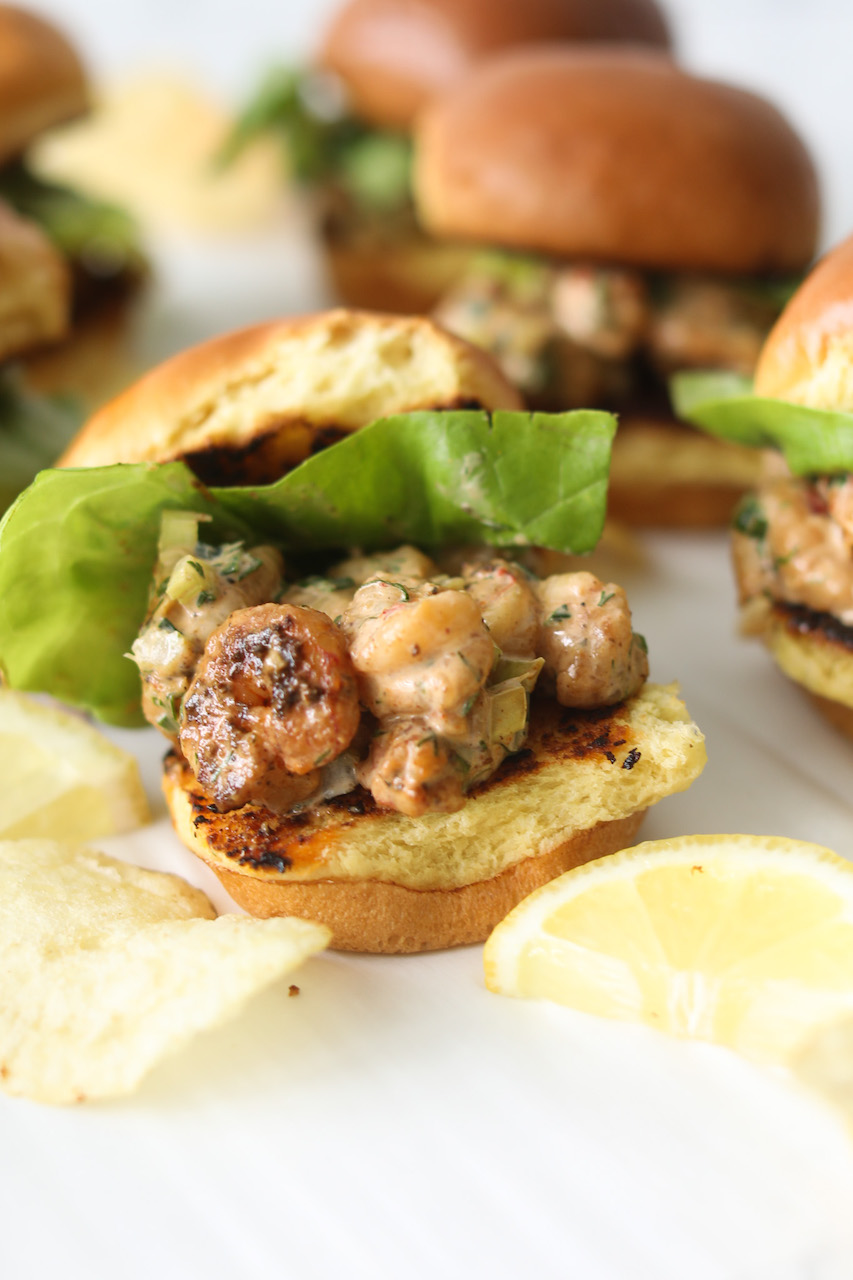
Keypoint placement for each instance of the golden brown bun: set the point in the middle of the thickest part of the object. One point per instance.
(35, 286)
(396, 55)
(274, 386)
(406, 276)
(666, 475)
(617, 155)
(808, 356)
(385, 882)
(42, 81)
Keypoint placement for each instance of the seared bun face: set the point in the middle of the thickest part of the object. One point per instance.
(42, 81)
(808, 356)
(395, 57)
(617, 156)
(390, 883)
(249, 405)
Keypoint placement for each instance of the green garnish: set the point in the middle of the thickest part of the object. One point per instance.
(749, 518)
(560, 614)
(813, 441)
(431, 479)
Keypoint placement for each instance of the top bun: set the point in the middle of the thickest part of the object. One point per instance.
(396, 55)
(249, 405)
(42, 82)
(808, 356)
(617, 155)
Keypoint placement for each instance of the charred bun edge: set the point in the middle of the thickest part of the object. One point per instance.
(387, 883)
(337, 369)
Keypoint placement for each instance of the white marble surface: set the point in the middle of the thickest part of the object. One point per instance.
(397, 1120)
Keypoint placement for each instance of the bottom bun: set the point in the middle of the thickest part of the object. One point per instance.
(665, 474)
(816, 650)
(384, 882)
(393, 920)
(403, 274)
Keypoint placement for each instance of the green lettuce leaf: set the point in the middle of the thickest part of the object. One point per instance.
(34, 430)
(99, 234)
(78, 547)
(813, 441)
(323, 142)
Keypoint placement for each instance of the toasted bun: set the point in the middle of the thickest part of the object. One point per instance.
(405, 275)
(396, 55)
(617, 155)
(35, 286)
(42, 81)
(816, 651)
(385, 882)
(666, 475)
(808, 356)
(269, 389)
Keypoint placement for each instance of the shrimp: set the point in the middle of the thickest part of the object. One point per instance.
(412, 770)
(591, 654)
(273, 699)
(419, 651)
(206, 587)
(508, 605)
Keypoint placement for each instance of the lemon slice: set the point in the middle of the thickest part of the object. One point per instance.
(62, 779)
(746, 941)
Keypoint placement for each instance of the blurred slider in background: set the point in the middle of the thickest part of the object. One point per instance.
(633, 220)
(67, 265)
(346, 122)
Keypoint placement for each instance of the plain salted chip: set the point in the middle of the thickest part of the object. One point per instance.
(106, 968)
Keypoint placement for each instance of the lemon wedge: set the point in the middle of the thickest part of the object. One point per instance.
(62, 779)
(745, 941)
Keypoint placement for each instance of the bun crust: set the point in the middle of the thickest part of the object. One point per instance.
(808, 356)
(406, 276)
(384, 882)
(667, 475)
(617, 155)
(35, 296)
(42, 82)
(394, 56)
(278, 384)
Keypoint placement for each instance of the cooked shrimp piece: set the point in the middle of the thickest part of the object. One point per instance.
(591, 654)
(419, 651)
(201, 592)
(507, 602)
(274, 698)
(412, 770)
(402, 562)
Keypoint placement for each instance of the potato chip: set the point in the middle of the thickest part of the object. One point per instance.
(106, 968)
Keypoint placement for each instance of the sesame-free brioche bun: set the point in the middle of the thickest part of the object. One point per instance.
(808, 356)
(816, 651)
(406, 275)
(666, 475)
(616, 155)
(384, 882)
(394, 56)
(257, 401)
(35, 286)
(42, 82)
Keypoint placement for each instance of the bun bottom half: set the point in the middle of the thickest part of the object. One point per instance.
(816, 651)
(666, 475)
(406, 275)
(387, 883)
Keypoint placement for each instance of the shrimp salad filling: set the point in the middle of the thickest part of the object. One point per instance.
(793, 545)
(575, 333)
(388, 672)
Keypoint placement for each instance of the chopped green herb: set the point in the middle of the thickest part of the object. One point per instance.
(749, 518)
(604, 597)
(560, 614)
(398, 585)
(205, 597)
(165, 625)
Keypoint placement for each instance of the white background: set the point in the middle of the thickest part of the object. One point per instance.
(396, 1120)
